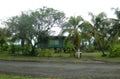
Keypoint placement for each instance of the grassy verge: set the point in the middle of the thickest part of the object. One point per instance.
(62, 57)
(57, 57)
(97, 56)
(2, 76)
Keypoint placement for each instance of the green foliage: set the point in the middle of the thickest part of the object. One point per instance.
(72, 27)
(100, 31)
(20, 28)
(17, 50)
(4, 53)
(26, 50)
(12, 49)
(45, 52)
(90, 48)
(69, 48)
(115, 51)
(61, 54)
(4, 47)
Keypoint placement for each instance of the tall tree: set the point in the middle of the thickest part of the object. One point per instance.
(72, 28)
(116, 26)
(21, 27)
(34, 25)
(4, 36)
(100, 30)
(86, 32)
(21, 30)
(45, 19)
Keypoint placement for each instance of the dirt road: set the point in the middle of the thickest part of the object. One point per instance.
(62, 70)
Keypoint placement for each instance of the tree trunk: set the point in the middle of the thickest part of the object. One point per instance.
(22, 42)
(103, 52)
(33, 52)
(89, 45)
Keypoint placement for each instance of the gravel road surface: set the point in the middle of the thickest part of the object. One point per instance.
(62, 70)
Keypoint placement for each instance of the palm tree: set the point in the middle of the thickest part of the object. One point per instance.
(86, 32)
(100, 31)
(72, 28)
(116, 26)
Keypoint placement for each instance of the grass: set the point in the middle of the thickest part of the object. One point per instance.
(8, 57)
(57, 57)
(61, 57)
(2, 76)
(97, 56)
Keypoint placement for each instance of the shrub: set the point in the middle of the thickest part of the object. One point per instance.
(12, 50)
(18, 50)
(115, 51)
(90, 49)
(45, 52)
(25, 50)
(69, 48)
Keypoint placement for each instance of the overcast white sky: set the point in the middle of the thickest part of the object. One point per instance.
(10, 8)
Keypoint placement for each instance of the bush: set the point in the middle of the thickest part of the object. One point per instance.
(69, 47)
(90, 49)
(14, 49)
(18, 50)
(45, 52)
(115, 51)
(25, 50)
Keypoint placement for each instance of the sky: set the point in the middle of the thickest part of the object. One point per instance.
(10, 8)
(70, 7)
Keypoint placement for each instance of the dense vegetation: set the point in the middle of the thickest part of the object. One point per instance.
(24, 32)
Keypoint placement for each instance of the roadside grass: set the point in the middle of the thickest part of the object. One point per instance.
(62, 57)
(3, 76)
(97, 56)
(57, 57)
(6, 56)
